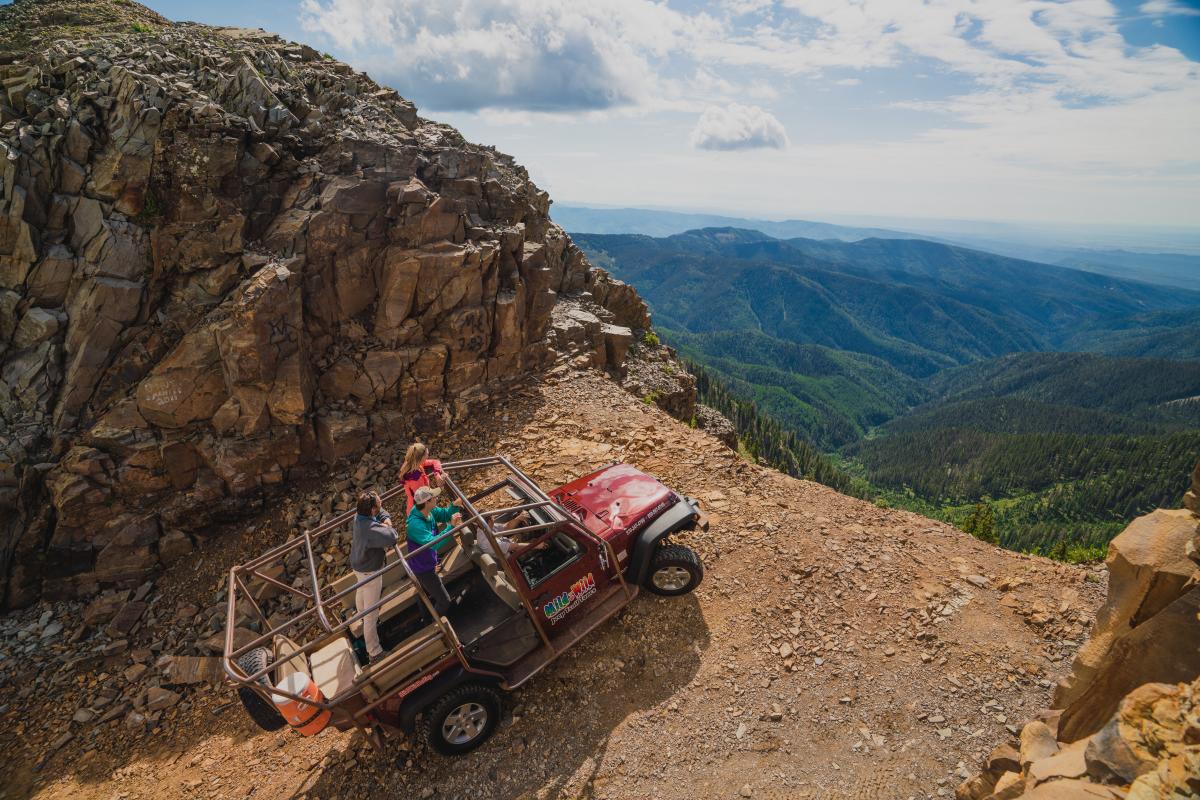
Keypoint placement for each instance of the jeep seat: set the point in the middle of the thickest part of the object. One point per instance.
(409, 658)
(288, 658)
(334, 667)
(497, 580)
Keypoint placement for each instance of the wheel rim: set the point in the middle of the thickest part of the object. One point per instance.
(464, 723)
(672, 578)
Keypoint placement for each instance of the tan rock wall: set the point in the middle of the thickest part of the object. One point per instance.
(226, 259)
(1128, 718)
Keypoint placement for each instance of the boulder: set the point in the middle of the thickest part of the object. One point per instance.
(975, 788)
(1037, 743)
(342, 436)
(36, 326)
(1119, 752)
(190, 670)
(126, 619)
(1066, 763)
(215, 644)
(173, 546)
(51, 277)
(1003, 758)
(1072, 790)
(617, 340)
(618, 297)
(160, 699)
(1143, 634)
(1008, 786)
(104, 607)
(716, 424)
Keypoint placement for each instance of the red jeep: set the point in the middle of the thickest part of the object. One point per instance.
(294, 643)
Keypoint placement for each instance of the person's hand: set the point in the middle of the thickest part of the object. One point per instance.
(388, 521)
(456, 519)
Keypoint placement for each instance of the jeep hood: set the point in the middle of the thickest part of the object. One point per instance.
(615, 498)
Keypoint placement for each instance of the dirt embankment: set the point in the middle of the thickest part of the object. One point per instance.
(835, 649)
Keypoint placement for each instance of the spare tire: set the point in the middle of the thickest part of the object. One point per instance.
(264, 714)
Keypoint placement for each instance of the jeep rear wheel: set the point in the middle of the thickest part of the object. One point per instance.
(675, 570)
(462, 719)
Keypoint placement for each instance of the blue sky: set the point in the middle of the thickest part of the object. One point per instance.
(1046, 110)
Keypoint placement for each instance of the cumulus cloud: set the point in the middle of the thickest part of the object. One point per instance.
(1020, 72)
(738, 127)
(1162, 8)
(531, 55)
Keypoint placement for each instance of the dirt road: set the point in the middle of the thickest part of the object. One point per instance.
(835, 650)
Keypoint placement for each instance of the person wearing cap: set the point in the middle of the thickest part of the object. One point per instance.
(373, 535)
(422, 528)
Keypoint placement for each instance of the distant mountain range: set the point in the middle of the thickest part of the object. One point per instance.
(864, 319)
(942, 375)
(651, 222)
(1180, 269)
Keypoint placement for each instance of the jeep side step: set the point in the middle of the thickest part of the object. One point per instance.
(612, 601)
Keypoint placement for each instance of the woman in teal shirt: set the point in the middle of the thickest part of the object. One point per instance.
(421, 529)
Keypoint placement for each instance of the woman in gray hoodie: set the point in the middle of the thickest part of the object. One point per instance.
(373, 535)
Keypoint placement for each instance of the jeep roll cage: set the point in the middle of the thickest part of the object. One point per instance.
(316, 625)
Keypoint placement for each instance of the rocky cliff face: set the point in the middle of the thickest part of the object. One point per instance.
(1127, 720)
(225, 258)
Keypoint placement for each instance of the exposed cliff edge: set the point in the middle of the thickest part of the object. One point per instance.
(836, 649)
(225, 258)
(1127, 720)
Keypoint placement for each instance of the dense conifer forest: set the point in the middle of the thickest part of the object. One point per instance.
(1031, 405)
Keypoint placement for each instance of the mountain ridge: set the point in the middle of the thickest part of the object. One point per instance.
(1150, 264)
(921, 307)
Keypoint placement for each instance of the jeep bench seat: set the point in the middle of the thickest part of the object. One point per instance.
(404, 661)
(454, 564)
(334, 667)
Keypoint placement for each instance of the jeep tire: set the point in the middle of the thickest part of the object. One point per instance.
(264, 714)
(674, 570)
(462, 719)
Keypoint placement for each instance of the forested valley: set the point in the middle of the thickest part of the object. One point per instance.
(1034, 406)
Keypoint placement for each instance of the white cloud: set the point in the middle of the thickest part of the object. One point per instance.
(1162, 8)
(1045, 93)
(532, 55)
(738, 127)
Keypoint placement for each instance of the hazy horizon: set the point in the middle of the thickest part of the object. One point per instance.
(1135, 238)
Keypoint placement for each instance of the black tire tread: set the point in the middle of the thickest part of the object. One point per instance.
(264, 714)
(436, 712)
(678, 555)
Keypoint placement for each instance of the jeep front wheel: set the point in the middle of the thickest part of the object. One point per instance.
(675, 570)
(462, 719)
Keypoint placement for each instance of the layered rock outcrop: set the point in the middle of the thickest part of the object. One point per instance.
(1147, 632)
(225, 258)
(1127, 720)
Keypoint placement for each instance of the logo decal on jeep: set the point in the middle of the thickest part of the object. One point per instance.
(581, 590)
